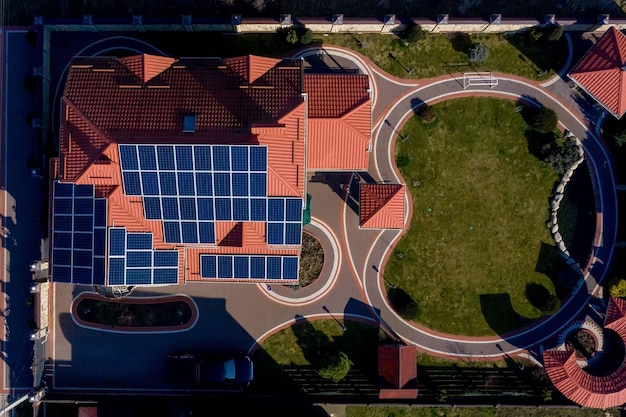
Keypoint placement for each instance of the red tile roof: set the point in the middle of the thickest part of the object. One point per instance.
(147, 66)
(576, 383)
(381, 206)
(397, 370)
(251, 67)
(333, 95)
(602, 71)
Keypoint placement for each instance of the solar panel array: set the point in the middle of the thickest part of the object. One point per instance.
(132, 260)
(254, 267)
(78, 235)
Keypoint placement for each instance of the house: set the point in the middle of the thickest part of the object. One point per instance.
(195, 169)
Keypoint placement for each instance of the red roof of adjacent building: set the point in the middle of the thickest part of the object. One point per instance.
(585, 389)
(381, 206)
(602, 72)
(339, 120)
(397, 370)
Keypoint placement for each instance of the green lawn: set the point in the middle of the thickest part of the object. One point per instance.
(438, 54)
(477, 237)
(357, 411)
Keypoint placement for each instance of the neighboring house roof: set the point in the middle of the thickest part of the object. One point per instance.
(602, 72)
(339, 120)
(585, 389)
(397, 370)
(381, 206)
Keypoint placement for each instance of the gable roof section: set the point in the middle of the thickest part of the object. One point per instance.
(397, 370)
(381, 206)
(251, 67)
(333, 95)
(602, 72)
(147, 66)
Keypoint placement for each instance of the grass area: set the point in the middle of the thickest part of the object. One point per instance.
(439, 54)
(311, 259)
(477, 239)
(359, 411)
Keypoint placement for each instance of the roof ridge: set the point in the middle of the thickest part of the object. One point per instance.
(282, 179)
(380, 202)
(347, 115)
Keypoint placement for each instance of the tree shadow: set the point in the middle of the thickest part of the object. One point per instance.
(461, 42)
(541, 56)
(403, 303)
(316, 347)
(499, 313)
(540, 298)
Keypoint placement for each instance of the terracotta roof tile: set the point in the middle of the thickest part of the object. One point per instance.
(251, 67)
(333, 95)
(397, 370)
(147, 66)
(381, 206)
(602, 71)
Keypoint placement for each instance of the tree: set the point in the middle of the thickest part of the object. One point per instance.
(478, 52)
(306, 37)
(553, 32)
(427, 114)
(617, 287)
(336, 368)
(291, 36)
(544, 120)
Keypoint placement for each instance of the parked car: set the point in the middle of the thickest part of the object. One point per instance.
(202, 370)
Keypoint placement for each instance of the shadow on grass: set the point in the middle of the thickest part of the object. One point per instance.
(540, 298)
(402, 303)
(461, 42)
(499, 313)
(541, 56)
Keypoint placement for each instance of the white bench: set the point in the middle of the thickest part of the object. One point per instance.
(479, 78)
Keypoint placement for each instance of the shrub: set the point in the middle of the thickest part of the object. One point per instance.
(619, 138)
(553, 32)
(544, 120)
(306, 37)
(402, 161)
(617, 287)
(478, 52)
(291, 36)
(427, 114)
(337, 367)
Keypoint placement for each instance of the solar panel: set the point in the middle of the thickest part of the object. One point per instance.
(184, 158)
(150, 183)
(240, 184)
(117, 242)
(257, 267)
(100, 212)
(165, 155)
(239, 155)
(241, 267)
(204, 184)
(208, 266)
(190, 232)
(62, 206)
(225, 266)
(99, 242)
(138, 276)
(258, 185)
(132, 185)
(221, 184)
(152, 206)
(207, 232)
(62, 273)
(63, 189)
(274, 266)
(258, 158)
(221, 158)
(81, 275)
(82, 258)
(98, 271)
(293, 233)
(202, 158)
(128, 157)
(62, 223)
(165, 258)
(258, 209)
(142, 259)
(83, 223)
(290, 267)
(83, 191)
(170, 208)
(138, 241)
(147, 157)
(186, 184)
(205, 209)
(61, 257)
(172, 232)
(168, 183)
(83, 240)
(240, 209)
(275, 233)
(116, 271)
(223, 209)
(62, 240)
(275, 209)
(165, 276)
(188, 208)
(293, 210)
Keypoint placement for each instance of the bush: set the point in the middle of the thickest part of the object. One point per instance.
(478, 52)
(553, 32)
(427, 114)
(617, 287)
(291, 36)
(306, 37)
(544, 120)
(619, 138)
(337, 367)
(402, 161)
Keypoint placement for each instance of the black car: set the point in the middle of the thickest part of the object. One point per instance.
(189, 369)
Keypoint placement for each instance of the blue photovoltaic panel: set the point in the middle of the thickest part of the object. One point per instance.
(138, 276)
(170, 208)
(275, 209)
(240, 209)
(241, 267)
(202, 157)
(187, 208)
(224, 266)
(139, 241)
(184, 158)
(165, 258)
(117, 242)
(258, 210)
(205, 209)
(165, 276)
(139, 259)
(222, 209)
(62, 223)
(83, 240)
(221, 158)
(290, 267)
(258, 185)
(128, 157)
(147, 157)
(239, 156)
(132, 185)
(61, 257)
(204, 184)
(186, 184)
(81, 275)
(83, 223)
(257, 267)
(99, 242)
(100, 212)
(293, 233)
(62, 206)
(293, 211)
(208, 266)
(275, 234)
(63, 189)
(116, 271)
(221, 185)
(274, 265)
(168, 183)
(82, 258)
(83, 206)
(207, 232)
(150, 183)
(153, 208)
(172, 232)
(165, 155)
(98, 271)
(258, 158)
(62, 274)
(190, 232)
(62, 240)
(83, 191)
(240, 184)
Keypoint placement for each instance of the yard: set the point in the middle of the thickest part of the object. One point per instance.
(478, 248)
(356, 411)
